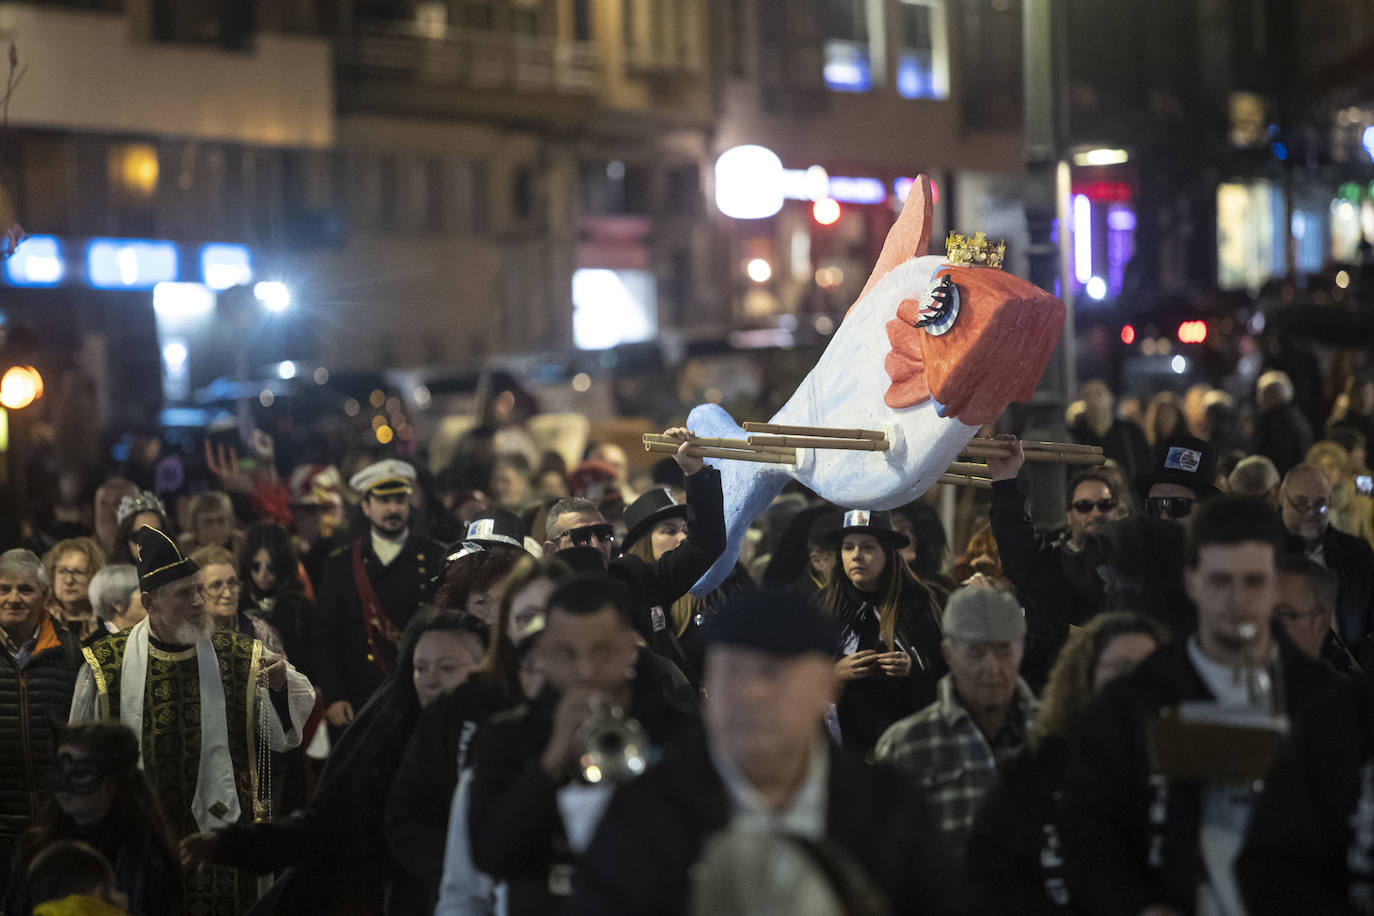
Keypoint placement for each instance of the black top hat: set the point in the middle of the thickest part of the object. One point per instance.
(160, 562)
(647, 511)
(823, 526)
(1185, 461)
(497, 526)
(776, 622)
(874, 524)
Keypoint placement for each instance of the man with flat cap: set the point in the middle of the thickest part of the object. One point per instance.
(763, 761)
(369, 589)
(954, 747)
(203, 702)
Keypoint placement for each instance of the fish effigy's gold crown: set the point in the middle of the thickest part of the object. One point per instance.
(962, 251)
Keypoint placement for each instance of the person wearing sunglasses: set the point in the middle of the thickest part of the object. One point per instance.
(1036, 564)
(1184, 475)
(1304, 505)
(655, 585)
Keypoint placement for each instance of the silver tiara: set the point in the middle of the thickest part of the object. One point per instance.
(143, 502)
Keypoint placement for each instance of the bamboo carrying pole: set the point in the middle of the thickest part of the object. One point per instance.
(959, 480)
(985, 452)
(821, 431)
(708, 442)
(697, 451)
(984, 442)
(857, 445)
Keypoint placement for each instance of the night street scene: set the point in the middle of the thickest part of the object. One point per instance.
(686, 457)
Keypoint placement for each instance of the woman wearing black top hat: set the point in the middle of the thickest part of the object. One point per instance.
(888, 655)
(656, 523)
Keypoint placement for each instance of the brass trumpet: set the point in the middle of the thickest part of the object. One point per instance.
(611, 746)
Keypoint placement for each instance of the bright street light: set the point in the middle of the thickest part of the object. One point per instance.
(273, 294)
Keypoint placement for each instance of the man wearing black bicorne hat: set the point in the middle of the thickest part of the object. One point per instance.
(203, 703)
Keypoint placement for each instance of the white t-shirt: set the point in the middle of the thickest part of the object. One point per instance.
(1226, 807)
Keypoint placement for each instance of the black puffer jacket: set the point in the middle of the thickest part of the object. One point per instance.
(31, 701)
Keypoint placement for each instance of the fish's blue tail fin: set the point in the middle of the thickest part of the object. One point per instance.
(749, 488)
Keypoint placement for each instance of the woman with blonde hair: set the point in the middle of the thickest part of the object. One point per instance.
(1351, 511)
(1014, 857)
(70, 564)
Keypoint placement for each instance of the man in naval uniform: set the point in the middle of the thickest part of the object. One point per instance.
(369, 590)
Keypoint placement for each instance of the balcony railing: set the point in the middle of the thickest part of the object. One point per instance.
(478, 60)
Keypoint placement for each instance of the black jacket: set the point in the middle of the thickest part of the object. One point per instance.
(32, 700)
(341, 667)
(421, 793)
(1038, 566)
(1124, 443)
(334, 860)
(1283, 435)
(869, 705)
(1304, 852)
(1108, 831)
(514, 823)
(1014, 854)
(655, 586)
(1352, 560)
(656, 827)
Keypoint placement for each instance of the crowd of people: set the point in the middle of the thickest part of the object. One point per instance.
(292, 695)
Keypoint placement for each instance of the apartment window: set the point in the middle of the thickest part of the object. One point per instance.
(49, 182)
(990, 62)
(133, 174)
(375, 200)
(615, 187)
(582, 20)
(847, 65)
(476, 14)
(662, 34)
(922, 52)
(522, 193)
(225, 23)
(420, 204)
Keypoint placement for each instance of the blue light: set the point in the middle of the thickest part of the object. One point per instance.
(1367, 140)
(36, 262)
(915, 76)
(131, 263)
(1120, 219)
(857, 190)
(1280, 151)
(846, 67)
(223, 265)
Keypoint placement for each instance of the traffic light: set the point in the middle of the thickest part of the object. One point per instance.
(1128, 334)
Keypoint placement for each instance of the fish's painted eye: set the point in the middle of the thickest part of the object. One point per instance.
(939, 308)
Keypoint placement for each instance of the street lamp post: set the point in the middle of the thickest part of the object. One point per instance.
(1047, 191)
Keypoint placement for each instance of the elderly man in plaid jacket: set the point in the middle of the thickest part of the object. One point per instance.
(953, 747)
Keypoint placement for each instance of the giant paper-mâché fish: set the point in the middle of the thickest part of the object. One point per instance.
(982, 344)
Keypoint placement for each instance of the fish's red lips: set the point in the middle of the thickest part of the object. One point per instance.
(994, 354)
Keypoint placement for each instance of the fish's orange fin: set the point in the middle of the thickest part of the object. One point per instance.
(908, 238)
